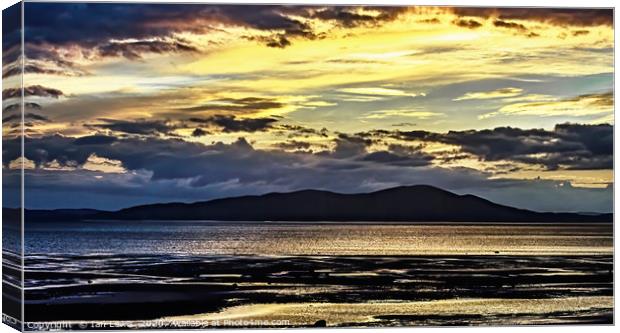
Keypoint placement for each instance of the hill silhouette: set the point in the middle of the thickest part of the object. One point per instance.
(419, 203)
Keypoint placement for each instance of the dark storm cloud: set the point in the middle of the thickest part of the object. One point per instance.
(350, 145)
(35, 90)
(567, 146)
(130, 30)
(11, 33)
(94, 26)
(134, 50)
(555, 16)
(220, 170)
(176, 170)
(213, 164)
(230, 124)
(470, 24)
(346, 17)
(141, 126)
(204, 164)
(386, 157)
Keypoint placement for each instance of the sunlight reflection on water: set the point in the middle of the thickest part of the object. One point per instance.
(315, 239)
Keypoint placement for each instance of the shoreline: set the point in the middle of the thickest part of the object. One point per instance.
(151, 287)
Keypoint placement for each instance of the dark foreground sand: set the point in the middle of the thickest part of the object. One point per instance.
(199, 291)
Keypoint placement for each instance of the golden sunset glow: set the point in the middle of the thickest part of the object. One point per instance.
(487, 91)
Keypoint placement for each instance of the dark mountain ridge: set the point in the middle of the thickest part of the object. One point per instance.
(419, 203)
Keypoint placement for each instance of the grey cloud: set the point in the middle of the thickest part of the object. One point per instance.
(198, 132)
(95, 140)
(293, 145)
(27, 116)
(134, 50)
(347, 17)
(142, 127)
(350, 145)
(555, 16)
(387, 157)
(35, 90)
(232, 124)
(297, 130)
(567, 146)
(217, 170)
(17, 106)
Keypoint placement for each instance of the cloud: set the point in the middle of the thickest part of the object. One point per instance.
(198, 132)
(578, 106)
(277, 41)
(470, 24)
(134, 49)
(554, 16)
(351, 17)
(17, 106)
(348, 146)
(580, 32)
(433, 20)
(300, 131)
(293, 145)
(401, 113)
(230, 124)
(95, 140)
(379, 91)
(567, 146)
(400, 155)
(41, 67)
(244, 105)
(154, 28)
(27, 117)
(146, 170)
(520, 28)
(35, 90)
(498, 93)
(140, 126)
(509, 25)
(96, 163)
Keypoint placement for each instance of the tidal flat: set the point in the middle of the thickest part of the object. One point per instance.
(299, 291)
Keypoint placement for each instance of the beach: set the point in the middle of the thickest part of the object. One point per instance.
(573, 285)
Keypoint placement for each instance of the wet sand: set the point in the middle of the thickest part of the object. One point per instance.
(342, 290)
(578, 310)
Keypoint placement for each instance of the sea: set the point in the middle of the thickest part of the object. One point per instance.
(98, 275)
(302, 238)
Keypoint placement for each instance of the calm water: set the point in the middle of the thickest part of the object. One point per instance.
(295, 274)
(204, 238)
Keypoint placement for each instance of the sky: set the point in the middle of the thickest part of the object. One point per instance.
(129, 104)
